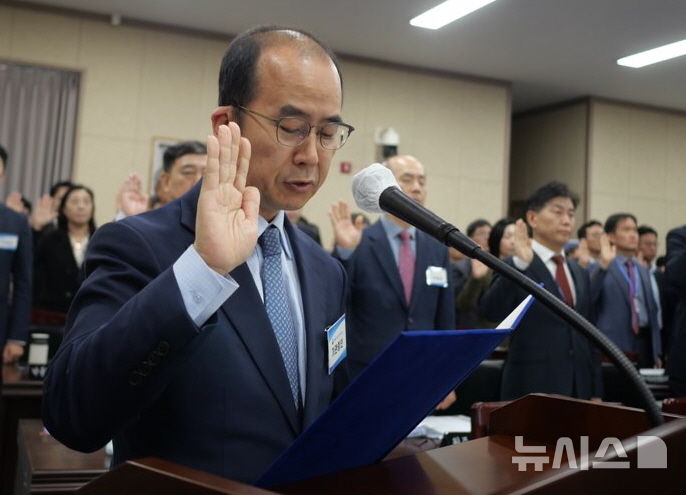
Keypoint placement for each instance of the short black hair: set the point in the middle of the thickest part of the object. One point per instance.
(540, 197)
(613, 220)
(3, 155)
(646, 229)
(581, 233)
(62, 222)
(496, 235)
(176, 151)
(57, 185)
(478, 223)
(237, 74)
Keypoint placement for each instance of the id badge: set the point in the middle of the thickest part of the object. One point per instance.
(436, 276)
(335, 336)
(9, 242)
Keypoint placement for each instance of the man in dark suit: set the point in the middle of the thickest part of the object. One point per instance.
(546, 354)
(398, 276)
(622, 293)
(16, 261)
(675, 273)
(198, 335)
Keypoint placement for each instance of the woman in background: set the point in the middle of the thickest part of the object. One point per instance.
(500, 244)
(60, 253)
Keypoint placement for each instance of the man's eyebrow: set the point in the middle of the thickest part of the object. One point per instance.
(292, 111)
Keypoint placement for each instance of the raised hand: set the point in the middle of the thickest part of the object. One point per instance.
(583, 253)
(346, 234)
(522, 242)
(226, 221)
(607, 252)
(13, 202)
(131, 200)
(12, 352)
(479, 270)
(43, 213)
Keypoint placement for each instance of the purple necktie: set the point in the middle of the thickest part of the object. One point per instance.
(406, 264)
(632, 295)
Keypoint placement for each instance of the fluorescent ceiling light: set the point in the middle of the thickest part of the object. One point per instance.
(447, 12)
(659, 54)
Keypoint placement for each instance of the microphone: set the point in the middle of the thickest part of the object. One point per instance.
(375, 190)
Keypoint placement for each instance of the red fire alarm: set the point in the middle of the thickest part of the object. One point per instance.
(346, 167)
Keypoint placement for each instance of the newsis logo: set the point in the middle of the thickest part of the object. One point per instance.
(651, 454)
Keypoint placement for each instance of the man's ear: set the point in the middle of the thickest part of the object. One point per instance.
(164, 181)
(222, 116)
(530, 218)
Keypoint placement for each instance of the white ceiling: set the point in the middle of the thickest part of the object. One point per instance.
(551, 50)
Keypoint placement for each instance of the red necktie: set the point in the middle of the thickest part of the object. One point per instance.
(406, 264)
(562, 281)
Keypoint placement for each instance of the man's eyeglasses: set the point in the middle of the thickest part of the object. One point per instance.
(292, 131)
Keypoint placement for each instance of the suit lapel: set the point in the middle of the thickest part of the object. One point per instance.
(617, 275)
(384, 255)
(541, 273)
(245, 310)
(420, 265)
(579, 286)
(312, 288)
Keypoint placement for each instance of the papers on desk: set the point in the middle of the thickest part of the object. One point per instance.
(437, 427)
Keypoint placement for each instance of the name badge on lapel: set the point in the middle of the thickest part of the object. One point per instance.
(335, 336)
(436, 276)
(9, 242)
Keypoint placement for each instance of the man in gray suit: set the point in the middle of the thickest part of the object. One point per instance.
(622, 293)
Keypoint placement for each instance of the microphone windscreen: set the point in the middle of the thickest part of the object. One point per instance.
(369, 183)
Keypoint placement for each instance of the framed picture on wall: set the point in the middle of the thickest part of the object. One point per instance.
(159, 146)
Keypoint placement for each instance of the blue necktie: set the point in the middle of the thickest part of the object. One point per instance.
(278, 308)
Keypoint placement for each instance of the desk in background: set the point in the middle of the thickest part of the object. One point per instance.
(21, 398)
(46, 466)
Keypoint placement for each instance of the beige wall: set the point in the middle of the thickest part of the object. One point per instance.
(638, 164)
(549, 146)
(636, 159)
(140, 83)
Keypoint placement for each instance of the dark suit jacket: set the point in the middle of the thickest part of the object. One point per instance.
(134, 366)
(676, 277)
(610, 290)
(376, 310)
(56, 275)
(15, 276)
(546, 354)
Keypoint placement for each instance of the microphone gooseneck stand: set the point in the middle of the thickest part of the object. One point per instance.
(448, 234)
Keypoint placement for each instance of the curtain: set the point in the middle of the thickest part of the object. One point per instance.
(38, 108)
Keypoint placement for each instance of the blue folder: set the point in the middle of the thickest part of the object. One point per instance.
(387, 400)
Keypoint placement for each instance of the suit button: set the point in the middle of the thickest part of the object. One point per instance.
(410, 320)
(163, 348)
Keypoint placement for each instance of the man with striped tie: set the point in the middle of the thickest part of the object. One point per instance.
(199, 334)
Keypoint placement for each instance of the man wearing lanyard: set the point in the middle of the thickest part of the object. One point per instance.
(622, 294)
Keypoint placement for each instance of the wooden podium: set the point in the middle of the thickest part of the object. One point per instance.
(481, 466)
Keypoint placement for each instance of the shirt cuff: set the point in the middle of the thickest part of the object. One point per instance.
(18, 342)
(520, 264)
(203, 290)
(344, 253)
